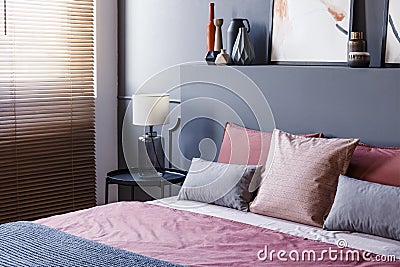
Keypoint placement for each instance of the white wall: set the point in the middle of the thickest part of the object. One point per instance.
(106, 100)
(158, 34)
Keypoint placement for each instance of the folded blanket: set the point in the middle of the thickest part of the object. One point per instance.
(31, 244)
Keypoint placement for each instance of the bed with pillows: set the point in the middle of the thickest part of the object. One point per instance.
(271, 198)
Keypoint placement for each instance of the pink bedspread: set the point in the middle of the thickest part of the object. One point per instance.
(188, 238)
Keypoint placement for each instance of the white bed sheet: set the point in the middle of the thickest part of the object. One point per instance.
(374, 244)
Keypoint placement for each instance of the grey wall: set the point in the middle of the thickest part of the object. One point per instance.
(338, 101)
(155, 34)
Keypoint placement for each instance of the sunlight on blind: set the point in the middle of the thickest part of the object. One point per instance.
(47, 109)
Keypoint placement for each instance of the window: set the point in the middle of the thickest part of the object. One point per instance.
(46, 108)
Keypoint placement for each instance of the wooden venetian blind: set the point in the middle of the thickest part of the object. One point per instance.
(46, 108)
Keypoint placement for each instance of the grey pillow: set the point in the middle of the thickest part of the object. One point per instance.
(365, 207)
(218, 183)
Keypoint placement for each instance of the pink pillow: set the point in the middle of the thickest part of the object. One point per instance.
(376, 164)
(246, 147)
(301, 177)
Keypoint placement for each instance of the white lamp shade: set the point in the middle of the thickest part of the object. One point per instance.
(150, 109)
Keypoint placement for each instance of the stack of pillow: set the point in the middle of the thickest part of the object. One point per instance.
(302, 178)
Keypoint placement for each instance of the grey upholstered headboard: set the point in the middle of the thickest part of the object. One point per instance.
(337, 101)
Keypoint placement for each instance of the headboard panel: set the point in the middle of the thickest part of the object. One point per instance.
(337, 101)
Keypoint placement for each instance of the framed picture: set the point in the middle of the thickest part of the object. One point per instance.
(309, 32)
(391, 34)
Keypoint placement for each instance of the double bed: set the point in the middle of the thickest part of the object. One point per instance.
(209, 225)
(198, 234)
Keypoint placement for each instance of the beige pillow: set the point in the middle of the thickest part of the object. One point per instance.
(302, 176)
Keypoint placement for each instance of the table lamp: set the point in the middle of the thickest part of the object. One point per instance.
(150, 110)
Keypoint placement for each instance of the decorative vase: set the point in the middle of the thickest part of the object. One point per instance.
(211, 30)
(357, 42)
(358, 59)
(223, 58)
(211, 56)
(233, 31)
(243, 50)
(218, 34)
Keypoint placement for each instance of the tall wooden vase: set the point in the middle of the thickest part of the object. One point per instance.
(211, 30)
(218, 34)
(211, 54)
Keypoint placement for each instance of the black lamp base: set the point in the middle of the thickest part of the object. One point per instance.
(151, 153)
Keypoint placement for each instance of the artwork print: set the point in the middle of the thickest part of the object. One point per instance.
(307, 31)
(392, 41)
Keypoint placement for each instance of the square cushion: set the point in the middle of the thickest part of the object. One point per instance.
(247, 147)
(301, 177)
(376, 164)
(218, 183)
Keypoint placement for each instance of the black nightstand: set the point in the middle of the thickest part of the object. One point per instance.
(134, 178)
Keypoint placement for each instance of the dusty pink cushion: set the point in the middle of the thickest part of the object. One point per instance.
(247, 147)
(301, 177)
(376, 164)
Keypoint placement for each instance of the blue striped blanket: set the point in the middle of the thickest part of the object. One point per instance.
(31, 244)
